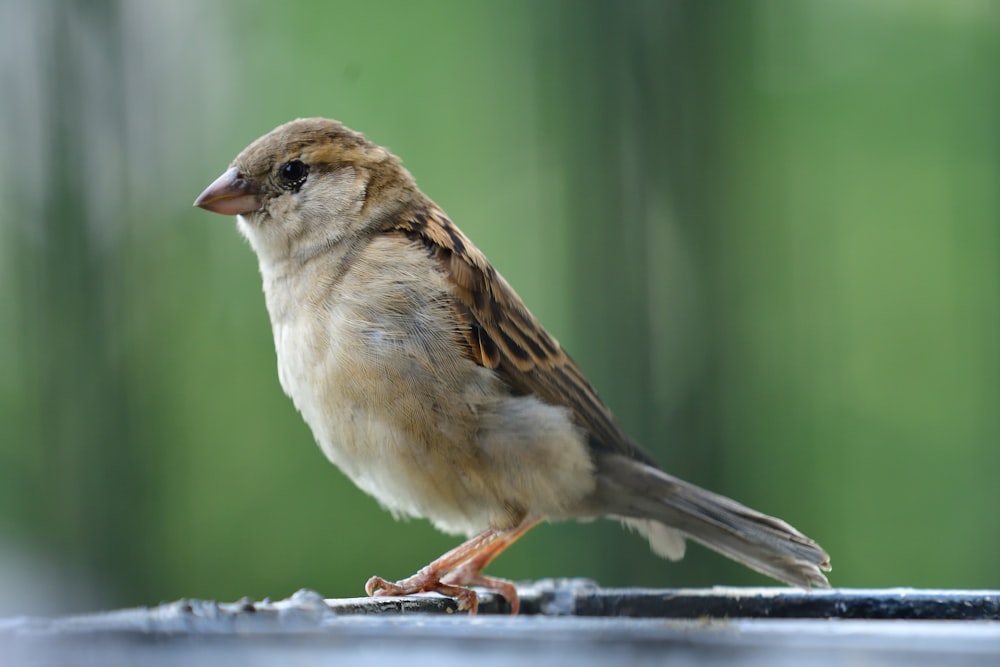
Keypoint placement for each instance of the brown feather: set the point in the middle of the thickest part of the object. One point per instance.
(502, 334)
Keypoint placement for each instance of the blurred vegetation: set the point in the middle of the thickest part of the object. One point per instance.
(767, 231)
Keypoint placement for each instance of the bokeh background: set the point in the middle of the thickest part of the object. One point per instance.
(768, 232)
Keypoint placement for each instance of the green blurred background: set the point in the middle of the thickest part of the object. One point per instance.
(768, 232)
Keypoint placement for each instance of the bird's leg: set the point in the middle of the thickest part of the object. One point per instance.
(452, 573)
(470, 573)
(428, 578)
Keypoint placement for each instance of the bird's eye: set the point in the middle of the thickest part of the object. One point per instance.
(293, 174)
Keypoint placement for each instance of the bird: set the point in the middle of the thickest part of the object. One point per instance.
(425, 378)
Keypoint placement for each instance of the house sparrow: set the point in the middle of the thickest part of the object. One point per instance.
(429, 383)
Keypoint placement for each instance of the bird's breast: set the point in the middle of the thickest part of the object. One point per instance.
(375, 366)
(380, 412)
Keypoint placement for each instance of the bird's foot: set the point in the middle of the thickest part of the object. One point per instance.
(423, 583)
(455, 571)
(466, 576)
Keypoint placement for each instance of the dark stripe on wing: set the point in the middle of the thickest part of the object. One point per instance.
(501, 334)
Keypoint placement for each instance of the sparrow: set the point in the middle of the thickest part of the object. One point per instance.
(429, 383)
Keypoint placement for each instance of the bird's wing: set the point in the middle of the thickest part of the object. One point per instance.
(502, 335)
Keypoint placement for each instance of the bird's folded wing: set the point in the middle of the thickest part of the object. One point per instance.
(502, 335)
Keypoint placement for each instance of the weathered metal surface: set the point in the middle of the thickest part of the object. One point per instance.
(720, 602)
(560, 624)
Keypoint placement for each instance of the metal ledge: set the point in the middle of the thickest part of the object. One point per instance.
(561, 621)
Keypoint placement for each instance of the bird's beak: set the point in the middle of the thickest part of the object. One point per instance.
(230, 194)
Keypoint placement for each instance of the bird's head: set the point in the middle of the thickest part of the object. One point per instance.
(307, 184)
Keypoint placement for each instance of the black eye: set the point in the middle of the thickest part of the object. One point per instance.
(293, 174)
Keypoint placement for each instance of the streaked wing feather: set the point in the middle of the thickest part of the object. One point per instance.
(501, 334)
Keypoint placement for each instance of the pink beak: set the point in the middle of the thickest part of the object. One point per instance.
(230, 194)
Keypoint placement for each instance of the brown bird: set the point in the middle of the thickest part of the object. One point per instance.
(429, 383)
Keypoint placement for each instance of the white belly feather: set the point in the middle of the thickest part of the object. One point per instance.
(380, 380)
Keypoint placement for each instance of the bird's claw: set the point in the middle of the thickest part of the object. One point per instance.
(502, 587)
(466, 598)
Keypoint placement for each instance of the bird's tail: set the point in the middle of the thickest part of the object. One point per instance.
(666, 510)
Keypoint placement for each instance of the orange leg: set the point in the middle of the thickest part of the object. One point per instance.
(455, 571)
